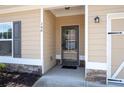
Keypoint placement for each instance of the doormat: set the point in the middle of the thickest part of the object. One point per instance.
(69, 67)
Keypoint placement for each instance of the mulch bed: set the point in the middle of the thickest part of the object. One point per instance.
(15, 79)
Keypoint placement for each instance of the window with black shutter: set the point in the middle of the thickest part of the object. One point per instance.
(10, 39)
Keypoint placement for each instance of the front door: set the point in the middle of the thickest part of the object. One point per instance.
(70, 45)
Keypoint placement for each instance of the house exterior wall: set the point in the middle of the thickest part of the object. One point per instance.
(49, 22)
(30, 31)
(97, 31)
(67, 21)
(97, 36)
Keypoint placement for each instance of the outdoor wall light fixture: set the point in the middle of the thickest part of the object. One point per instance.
(67, 8)
(96, 19)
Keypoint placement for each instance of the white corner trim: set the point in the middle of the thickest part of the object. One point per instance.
(86, 37)
(20, 61)
(82, 57)
(58, 56)
(96, 65)
(42, 40)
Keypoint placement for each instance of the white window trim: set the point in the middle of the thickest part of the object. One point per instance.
(8, 39)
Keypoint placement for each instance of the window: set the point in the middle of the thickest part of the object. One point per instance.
(6, 39)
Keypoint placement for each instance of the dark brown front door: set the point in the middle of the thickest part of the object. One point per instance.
(70, 45)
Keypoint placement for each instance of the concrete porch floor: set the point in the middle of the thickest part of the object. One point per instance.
(59, 77)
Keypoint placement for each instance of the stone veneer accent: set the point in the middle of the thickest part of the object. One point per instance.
(98, 76)
(24, 68)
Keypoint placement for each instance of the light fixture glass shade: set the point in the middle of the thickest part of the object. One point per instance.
(96, 19)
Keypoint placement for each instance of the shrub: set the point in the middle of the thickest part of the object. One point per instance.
(2, 67)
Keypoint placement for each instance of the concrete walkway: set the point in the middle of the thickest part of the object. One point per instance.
(59, 77)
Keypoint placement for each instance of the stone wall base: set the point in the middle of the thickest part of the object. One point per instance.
(23, 68)
(98, 76)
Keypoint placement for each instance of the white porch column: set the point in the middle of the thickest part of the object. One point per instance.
(41, 33)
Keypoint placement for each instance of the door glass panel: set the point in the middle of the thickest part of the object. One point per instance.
(69, 40)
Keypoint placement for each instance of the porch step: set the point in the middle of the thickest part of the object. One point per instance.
(70, 63)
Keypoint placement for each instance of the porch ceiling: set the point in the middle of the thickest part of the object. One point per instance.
(74, 10)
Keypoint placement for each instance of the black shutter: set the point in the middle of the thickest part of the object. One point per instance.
(17, 39)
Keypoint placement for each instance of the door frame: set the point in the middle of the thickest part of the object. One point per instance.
(110, 17)
(78, 40)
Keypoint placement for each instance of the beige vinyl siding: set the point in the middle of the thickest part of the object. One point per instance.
(118, 25)
(97, 31)
(30, 31)
(68, 21)
(49, 40)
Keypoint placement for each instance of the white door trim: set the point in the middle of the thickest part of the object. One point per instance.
(109, 46)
